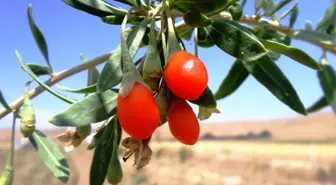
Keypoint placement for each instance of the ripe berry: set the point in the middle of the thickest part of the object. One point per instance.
(186, 75)
(138, 112)
(183, 123)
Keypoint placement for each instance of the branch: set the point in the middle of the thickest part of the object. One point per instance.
(55, 79)
(275, 25)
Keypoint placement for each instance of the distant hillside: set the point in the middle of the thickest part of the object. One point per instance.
(318, 126)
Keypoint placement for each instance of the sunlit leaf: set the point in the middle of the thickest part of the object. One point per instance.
(289, 11)
(38, 36)
(328, 21)
(85, 90)
(310, 35)
(327, 78)
(93, 108)
(31, 73)
(293, 53)
(95, 7)
(266, 72)
(51, 155)
(318, 105)
(235, 41)
(236, 76)
(111, 74)
(280, 5)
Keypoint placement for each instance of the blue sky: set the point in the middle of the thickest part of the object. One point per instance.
(70, 32)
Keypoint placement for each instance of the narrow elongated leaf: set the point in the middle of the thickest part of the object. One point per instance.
(235, 41)
(102, 154)
(51, 155)
(327, 78)
(40, 70)
(318, 105)
(280, 5)
(93, 73)
(111, 74)
(289, 11)
(258, 5)
(128, 2)
(31, 73)
(38, 36)
(293, 53)
(294, 15)
(268, 6)
(4, 102)
(315, 36)
(85, 90)
(328, 19)
(236, 76)
(93, 108)
(266, 72)
(95, 7)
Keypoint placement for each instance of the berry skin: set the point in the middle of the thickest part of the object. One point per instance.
(183, 123)
(138, 112)
(186, 75)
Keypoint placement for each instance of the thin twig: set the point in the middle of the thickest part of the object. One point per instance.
(57, 77)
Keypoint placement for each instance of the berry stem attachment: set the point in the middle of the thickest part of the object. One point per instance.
(129, 70)
(173, 44)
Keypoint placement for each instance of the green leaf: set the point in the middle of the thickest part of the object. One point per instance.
(38, 36)
(266, 72)
(280, 5)
(51, 155)
(315, 36)
(93, 108)
(243, 3)
(128, 2)
(258, 5)
(152, 68)
(102, 155)
(40, 70)
(318, 105)
(290, 10)
(196, 19)
(207, 99)
(95, 7)
(328, 19)
(93, 73)
(327, 78)
(236, 76)
(235, 41)
(236, 11)
(294, 15)
(293, 53)
(4, 102)
(85, 90)
(31, 73)
(97, 138)
(268, 6)
(111, 74)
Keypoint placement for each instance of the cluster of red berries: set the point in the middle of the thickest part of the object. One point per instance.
(186, 77)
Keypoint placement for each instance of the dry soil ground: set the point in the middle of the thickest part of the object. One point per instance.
(213, 162)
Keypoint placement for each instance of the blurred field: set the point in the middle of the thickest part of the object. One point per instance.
(283, 159)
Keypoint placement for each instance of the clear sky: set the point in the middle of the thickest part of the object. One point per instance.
(70, 32)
